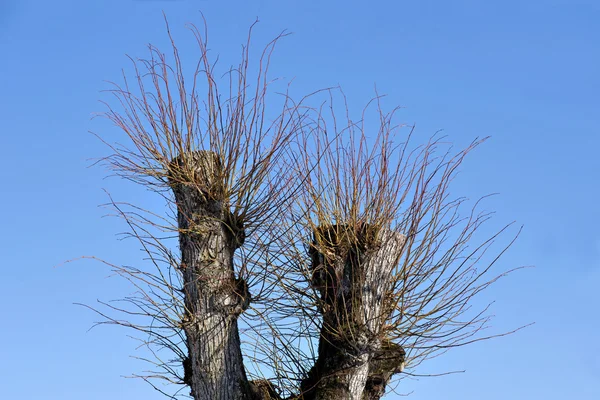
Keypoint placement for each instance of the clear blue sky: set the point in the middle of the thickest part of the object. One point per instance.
(524, 72)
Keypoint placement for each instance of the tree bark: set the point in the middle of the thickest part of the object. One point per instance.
(214, 298)
(352, 270)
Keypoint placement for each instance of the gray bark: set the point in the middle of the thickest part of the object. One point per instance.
(352, 271)
(213, 297)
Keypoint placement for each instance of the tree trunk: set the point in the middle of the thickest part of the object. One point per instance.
(352, 270)
(214, 298)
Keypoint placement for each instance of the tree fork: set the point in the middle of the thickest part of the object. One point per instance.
(214, 297)
(352, 270)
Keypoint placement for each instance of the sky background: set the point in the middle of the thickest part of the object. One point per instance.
(523, 72)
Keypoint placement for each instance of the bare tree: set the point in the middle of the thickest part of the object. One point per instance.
(318, 255)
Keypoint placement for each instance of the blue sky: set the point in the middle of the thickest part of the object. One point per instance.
(524, 72)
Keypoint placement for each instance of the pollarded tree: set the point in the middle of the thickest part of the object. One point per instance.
(318, 256)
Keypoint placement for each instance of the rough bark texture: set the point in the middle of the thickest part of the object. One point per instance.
(352, 271)
(214, 298)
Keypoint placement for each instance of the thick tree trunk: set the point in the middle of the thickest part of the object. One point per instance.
(352, 271)
(213, 297)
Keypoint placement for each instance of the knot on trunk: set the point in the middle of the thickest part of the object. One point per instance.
(243, 297)
(187, 371)
(387, 361)
(390, 357)
(262, 389)
(234, 225)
